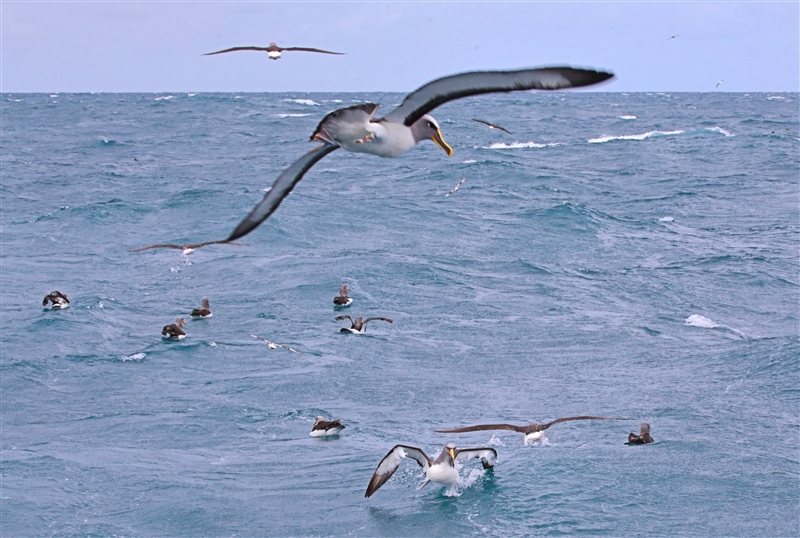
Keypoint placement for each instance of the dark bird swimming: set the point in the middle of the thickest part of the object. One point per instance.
(533, 432)
(324, 428)
(355, 129)
(342, 300)
(174, 331)
(643, 438)
(441, 470)
(204, 311)
(58, 299)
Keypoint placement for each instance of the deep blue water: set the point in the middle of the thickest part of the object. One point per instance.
(589, 264)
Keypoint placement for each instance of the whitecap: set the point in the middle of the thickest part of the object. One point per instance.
(165, 98)
(308, 102)
(190, 94)
(54, 95)
(627, 117)
(136, 357)
(470, 161)
(212, 343)
(696, 320)
(634, 137)
(517, 145)
(719, 130)
(776, 98)
(290, 115)
(666, 219)
(495, 441)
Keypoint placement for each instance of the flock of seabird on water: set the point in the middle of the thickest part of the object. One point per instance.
(357, 129)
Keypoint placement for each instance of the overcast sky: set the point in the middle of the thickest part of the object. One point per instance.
(157, 46)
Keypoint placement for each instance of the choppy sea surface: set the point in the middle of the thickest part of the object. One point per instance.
(628, 255)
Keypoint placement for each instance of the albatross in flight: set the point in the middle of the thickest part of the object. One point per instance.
(189, 248)
(441, 470)
(533, 432)
(273, 51)
(493, 126)
(356, 129)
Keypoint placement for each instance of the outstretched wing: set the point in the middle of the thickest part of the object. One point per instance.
(488, 456)
(381, 319)
(312, 50)
(483, 427)
(493, 126)
(541, 427)
(391, 462)
(440, 91)
(282, 187)
(221, 242)
(263, 49)
(344, 317)
(160, 245)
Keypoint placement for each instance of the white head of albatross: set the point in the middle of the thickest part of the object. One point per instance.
(355, 129)
(441, 470)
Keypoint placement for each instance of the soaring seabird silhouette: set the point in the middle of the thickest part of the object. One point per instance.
(355, 129)
(58, 299)
(273, 51)
(440, 470)
(493, 126)
(454, 189)
(204, 311)
(718, 83)
(273, 345)
(323, 428)
(533, 432)
(189, 248)
(673, 36)
(643, 438)
(342, 299)
(174, 331)
(358, 326)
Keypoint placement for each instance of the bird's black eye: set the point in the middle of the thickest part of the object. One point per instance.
(431, 125)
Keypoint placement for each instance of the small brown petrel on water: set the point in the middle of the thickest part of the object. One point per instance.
(643, 438)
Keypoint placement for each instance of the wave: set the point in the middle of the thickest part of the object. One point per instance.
(666, 219)
(290, 115)
(696, 320)
(519, 145)
(135, 357)
(627, 117)
(776, 98)
(165, 98)
(634, 137)
(719, 130)
(308, 102)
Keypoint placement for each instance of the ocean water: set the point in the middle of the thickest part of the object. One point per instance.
(627, 255)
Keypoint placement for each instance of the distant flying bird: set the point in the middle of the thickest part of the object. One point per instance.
(189, 248)
(718, 83)
(455, 188)
(532, 432)
(493, 126)
(273, 345)
(355, 128)
(673, 37)
(274, 51)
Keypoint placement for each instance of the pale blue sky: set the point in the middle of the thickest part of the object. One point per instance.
(393, 46)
